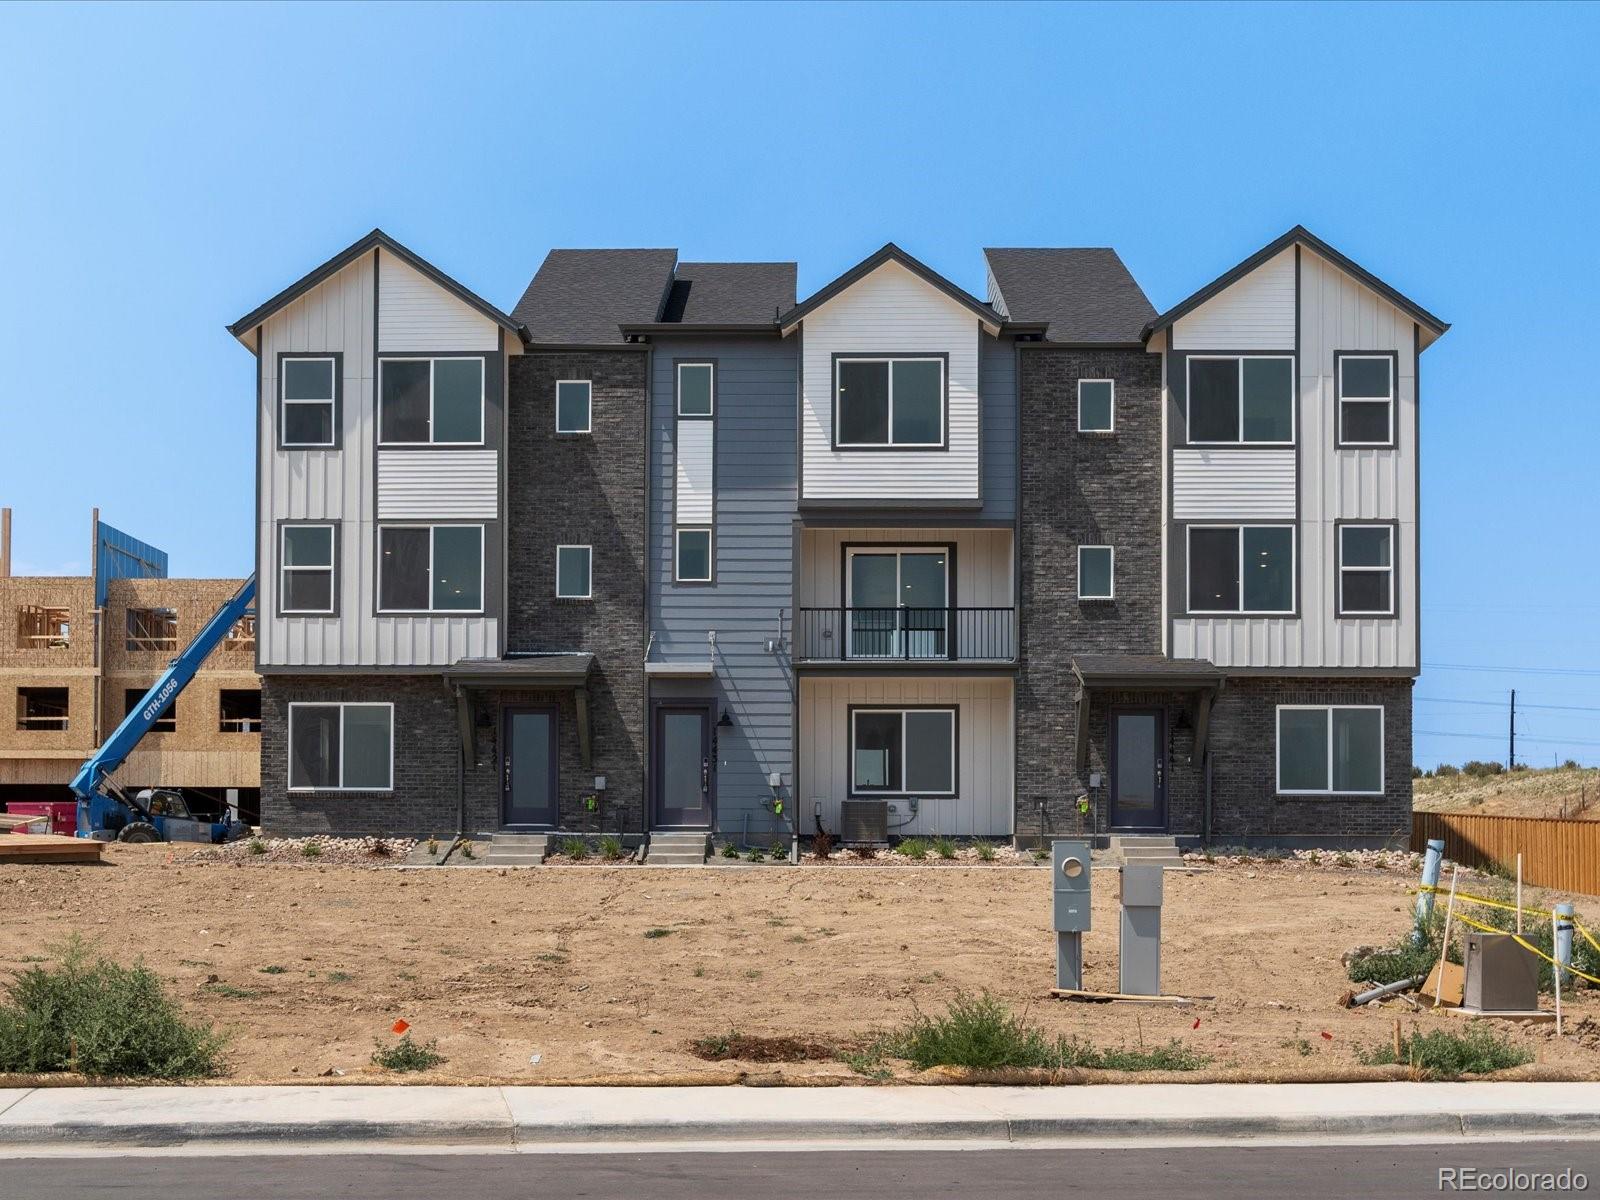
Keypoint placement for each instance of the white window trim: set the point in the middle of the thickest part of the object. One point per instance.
(1277, 733)
(891, 359)
(341, 706)
(1389, 400)
(1112, 427)
(588, 408)
(950, 711)
(430, 526)
(711, 392)
(1241, 359)
(677, 556)
(1110, 595)
(1344, 609)
(483, 387)
(333, 575)
(588, 581)
(1241, 611)
(332, 402)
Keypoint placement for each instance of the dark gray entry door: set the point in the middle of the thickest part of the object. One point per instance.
(529, 768)
(683, 772)
(1138, 768)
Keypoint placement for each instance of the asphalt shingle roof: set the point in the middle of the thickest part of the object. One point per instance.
(737, 293)
(580, 297)
(1085, 293)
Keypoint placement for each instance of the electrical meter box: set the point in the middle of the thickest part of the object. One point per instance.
(1501, 975)
(1069, 869)
(1139, 885)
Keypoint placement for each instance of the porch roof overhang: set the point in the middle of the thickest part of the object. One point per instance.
(703, 669)
(551, 671)
(1146, 672)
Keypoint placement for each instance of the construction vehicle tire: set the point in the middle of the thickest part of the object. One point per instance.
(139, 831)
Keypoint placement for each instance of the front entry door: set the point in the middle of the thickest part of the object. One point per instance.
(1138, 768)
(529, 769)
(683, 771)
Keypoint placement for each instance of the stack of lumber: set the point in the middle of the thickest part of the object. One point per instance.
(47, 848)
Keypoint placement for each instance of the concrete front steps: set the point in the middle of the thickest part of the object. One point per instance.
(677, 849)
(516, 850)
(1151, 849)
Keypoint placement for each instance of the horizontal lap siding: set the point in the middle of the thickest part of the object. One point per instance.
(1256, 313)
(891, 312)
(439, 484)
(1210, 484)
(416, 314)
(695, 491)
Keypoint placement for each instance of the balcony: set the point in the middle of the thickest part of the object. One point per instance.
(921, 636)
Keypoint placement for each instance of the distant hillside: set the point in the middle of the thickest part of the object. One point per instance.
(1544, 792)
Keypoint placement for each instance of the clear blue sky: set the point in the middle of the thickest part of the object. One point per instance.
(166, 169)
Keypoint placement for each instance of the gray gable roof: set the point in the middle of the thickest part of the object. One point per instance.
(736, 293)
(1084, 294)
(890, 253)
(583, 297)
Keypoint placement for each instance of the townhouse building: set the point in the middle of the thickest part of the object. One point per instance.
(666, 549)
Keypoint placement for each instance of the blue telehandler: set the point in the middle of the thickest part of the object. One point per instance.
(107, 812)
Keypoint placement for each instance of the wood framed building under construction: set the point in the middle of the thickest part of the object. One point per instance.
(77, 651)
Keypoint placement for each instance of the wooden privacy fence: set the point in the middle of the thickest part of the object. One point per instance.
(1564, 855)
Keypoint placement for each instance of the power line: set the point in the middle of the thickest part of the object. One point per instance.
(1511, 670)
(1496, 737)
(1502, 704)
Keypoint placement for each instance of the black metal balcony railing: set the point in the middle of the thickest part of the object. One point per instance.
(907, 634)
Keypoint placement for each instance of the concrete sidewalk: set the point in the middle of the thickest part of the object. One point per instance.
(533, 1117)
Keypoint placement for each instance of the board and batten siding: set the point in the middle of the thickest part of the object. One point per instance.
(340, 485)
(985, 756)
(438, 484)
(750, 602)
(890, 312)
(1211, 483)
(983, 567)
(1254, 313)
(1336, 313)
(416, 314)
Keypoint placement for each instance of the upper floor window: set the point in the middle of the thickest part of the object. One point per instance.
(307, 412)
(889, 402)
(696, 388)
(430, 568)
(152, 629)
(306, 569)
(166, 720)
(1241, 400)
(1366, 570)
(692, 556)
(574, 572)
(1096, 579)
(40, 627)
(1096, 405)
(1241, 568)
(573, 397)
(43, 708)
(1366, 399)
(430, 401)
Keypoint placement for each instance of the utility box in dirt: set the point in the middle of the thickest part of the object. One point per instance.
(1139, 938)
(1070, 872)
(1501, 975)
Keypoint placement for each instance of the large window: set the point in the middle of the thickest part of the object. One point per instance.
(1239, 400)
(898, 602)
(305, 569)
(1096, 577)
(437, 401)
(42, 708)
(889, 402)
(1366, 570)
(430, 568)
(1333, 750)
(341, 747)
(1366, 399)
(692, 556)
(166, 721)
(573, 399)
(908, 751)
(152, 629)
(1241, 568)
(1096, 405)
(574, 572)
(307, 412)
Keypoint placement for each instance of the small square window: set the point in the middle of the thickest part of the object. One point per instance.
(1096, 406)
(1095, 573)
(574, 571)
(573, 398)
(695, 389)
(694, 556)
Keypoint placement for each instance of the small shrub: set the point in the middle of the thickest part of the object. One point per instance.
(1041, 854)
(256, 846)
(340, 977)
(944, 847)
(866, 851)
(699, 971)
(433, 846)
(575, 848)
(311, 849)
(1174, 1056)
(1446, 771)
(913, 848)
(611, 848)
(729, 850)
(656, 933)
(717, 1046)
(231, 992)
(1571, 765)
(1444, 1054)
(1416, 772)
(986, 851)
(1314, 859)
(274, 969)
(1482, 770)
(756, 855)
(467, 851)
(90, 1014)
(406, 1055)
(822, 845)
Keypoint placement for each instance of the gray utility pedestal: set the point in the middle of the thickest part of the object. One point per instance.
(1500, 975)
(1139, 940)
(1069, 872)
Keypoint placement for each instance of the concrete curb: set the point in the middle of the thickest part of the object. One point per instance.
(531, 1117)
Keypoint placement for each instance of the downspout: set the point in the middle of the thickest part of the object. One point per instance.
(1205, 822)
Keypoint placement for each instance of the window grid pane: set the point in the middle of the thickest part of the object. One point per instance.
(1303, 749)
(863, 403)
(1268, 569)
(572, 572)
(930, 752)
(404, 400)
(1214, 400)
(1357, 750)
(308, 379)
(1214, 570)
(1268, 400)
(367, 746)
(1094, 572)
(403, 569)
(457, 568)
(457, 400)
(694, 555)
(694, 390)
(1094, 405)
(876, 753)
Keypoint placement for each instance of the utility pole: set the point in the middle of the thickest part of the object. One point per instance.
(1512, 754)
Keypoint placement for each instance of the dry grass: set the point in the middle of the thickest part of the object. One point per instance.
(1547, 792)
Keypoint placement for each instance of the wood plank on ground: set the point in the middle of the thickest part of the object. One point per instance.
(48, 848)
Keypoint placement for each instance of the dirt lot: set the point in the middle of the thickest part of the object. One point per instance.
(309, 965)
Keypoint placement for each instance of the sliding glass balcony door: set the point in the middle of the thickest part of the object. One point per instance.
(897, 603)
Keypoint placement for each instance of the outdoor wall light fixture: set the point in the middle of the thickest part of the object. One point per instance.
(726, 722)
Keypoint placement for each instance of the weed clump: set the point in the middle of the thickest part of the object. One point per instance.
(913, 848)
(944, 847)
(407, 1055)
(1443, 1054)
(611, 848)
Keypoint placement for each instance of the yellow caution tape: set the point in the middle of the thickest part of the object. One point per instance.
(1484, 900)
(1526, 945)
(1589, 937)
